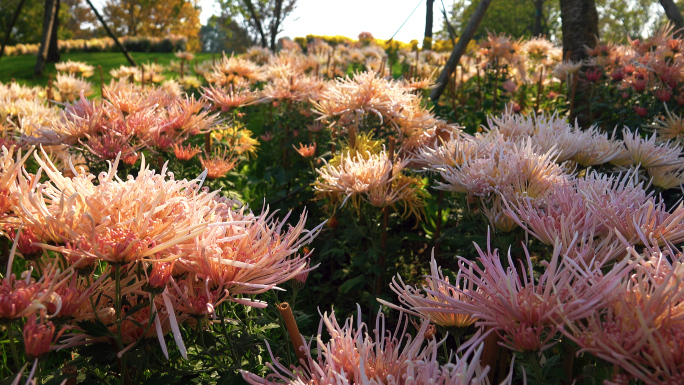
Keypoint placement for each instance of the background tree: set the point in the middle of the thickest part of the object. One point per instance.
(429, 16)
(77, 20)
(24, 30)
(262, 19)
(48, 50)
(223, 34)
(156, 18)
(674, 13)
(619, 19)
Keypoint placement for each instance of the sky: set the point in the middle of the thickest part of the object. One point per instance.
(382, 18)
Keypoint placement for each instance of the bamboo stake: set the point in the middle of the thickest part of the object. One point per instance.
(292, 329)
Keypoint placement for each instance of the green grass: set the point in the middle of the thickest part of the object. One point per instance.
(20, 68)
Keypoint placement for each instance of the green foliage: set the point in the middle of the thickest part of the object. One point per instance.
(514, 18)
(27, 29)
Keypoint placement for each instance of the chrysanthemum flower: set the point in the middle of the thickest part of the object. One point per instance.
(597, 148)
(370, 177)
(250, 255)
(306, 151)
(562, 70)
(75, 67)
(422, 302)
(232, 70)
(515, 172)
(234, 96)
(524, 311)
(185, 152)
(670, 128)
(114, 221)
(562, 217)
(219, 164)
(640, 330)
(38, 336)
(647, 153)
(187, 56)
(10, 168)
(353, 355)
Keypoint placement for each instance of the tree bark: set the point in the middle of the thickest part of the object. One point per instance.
(429, 17)
(53, 49)
(10, 26)
(675, 16)
(257, 22)
(459, 49)
(580, 27)
(48, 21)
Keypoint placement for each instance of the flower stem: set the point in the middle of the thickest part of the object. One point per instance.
(13, 346)
(119, 320)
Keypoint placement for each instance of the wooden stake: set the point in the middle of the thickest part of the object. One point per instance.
(49, 90)
(292, 329)
(490, 355)
(207, 143)
(352, 137)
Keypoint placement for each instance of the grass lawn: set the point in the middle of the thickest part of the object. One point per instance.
(21, 67)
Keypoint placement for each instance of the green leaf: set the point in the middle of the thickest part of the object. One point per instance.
(351, 283)
(95, 328)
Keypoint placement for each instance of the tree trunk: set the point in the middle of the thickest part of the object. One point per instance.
(276, 23)
(459, 49)
(580, 27)
(257, 22)
(48, 21)
(427, 41)
(53, 49)
(10, 26)
(580, 30)
(675, 16)
(538, 17)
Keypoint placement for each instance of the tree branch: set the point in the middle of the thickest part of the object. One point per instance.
(459, 49)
